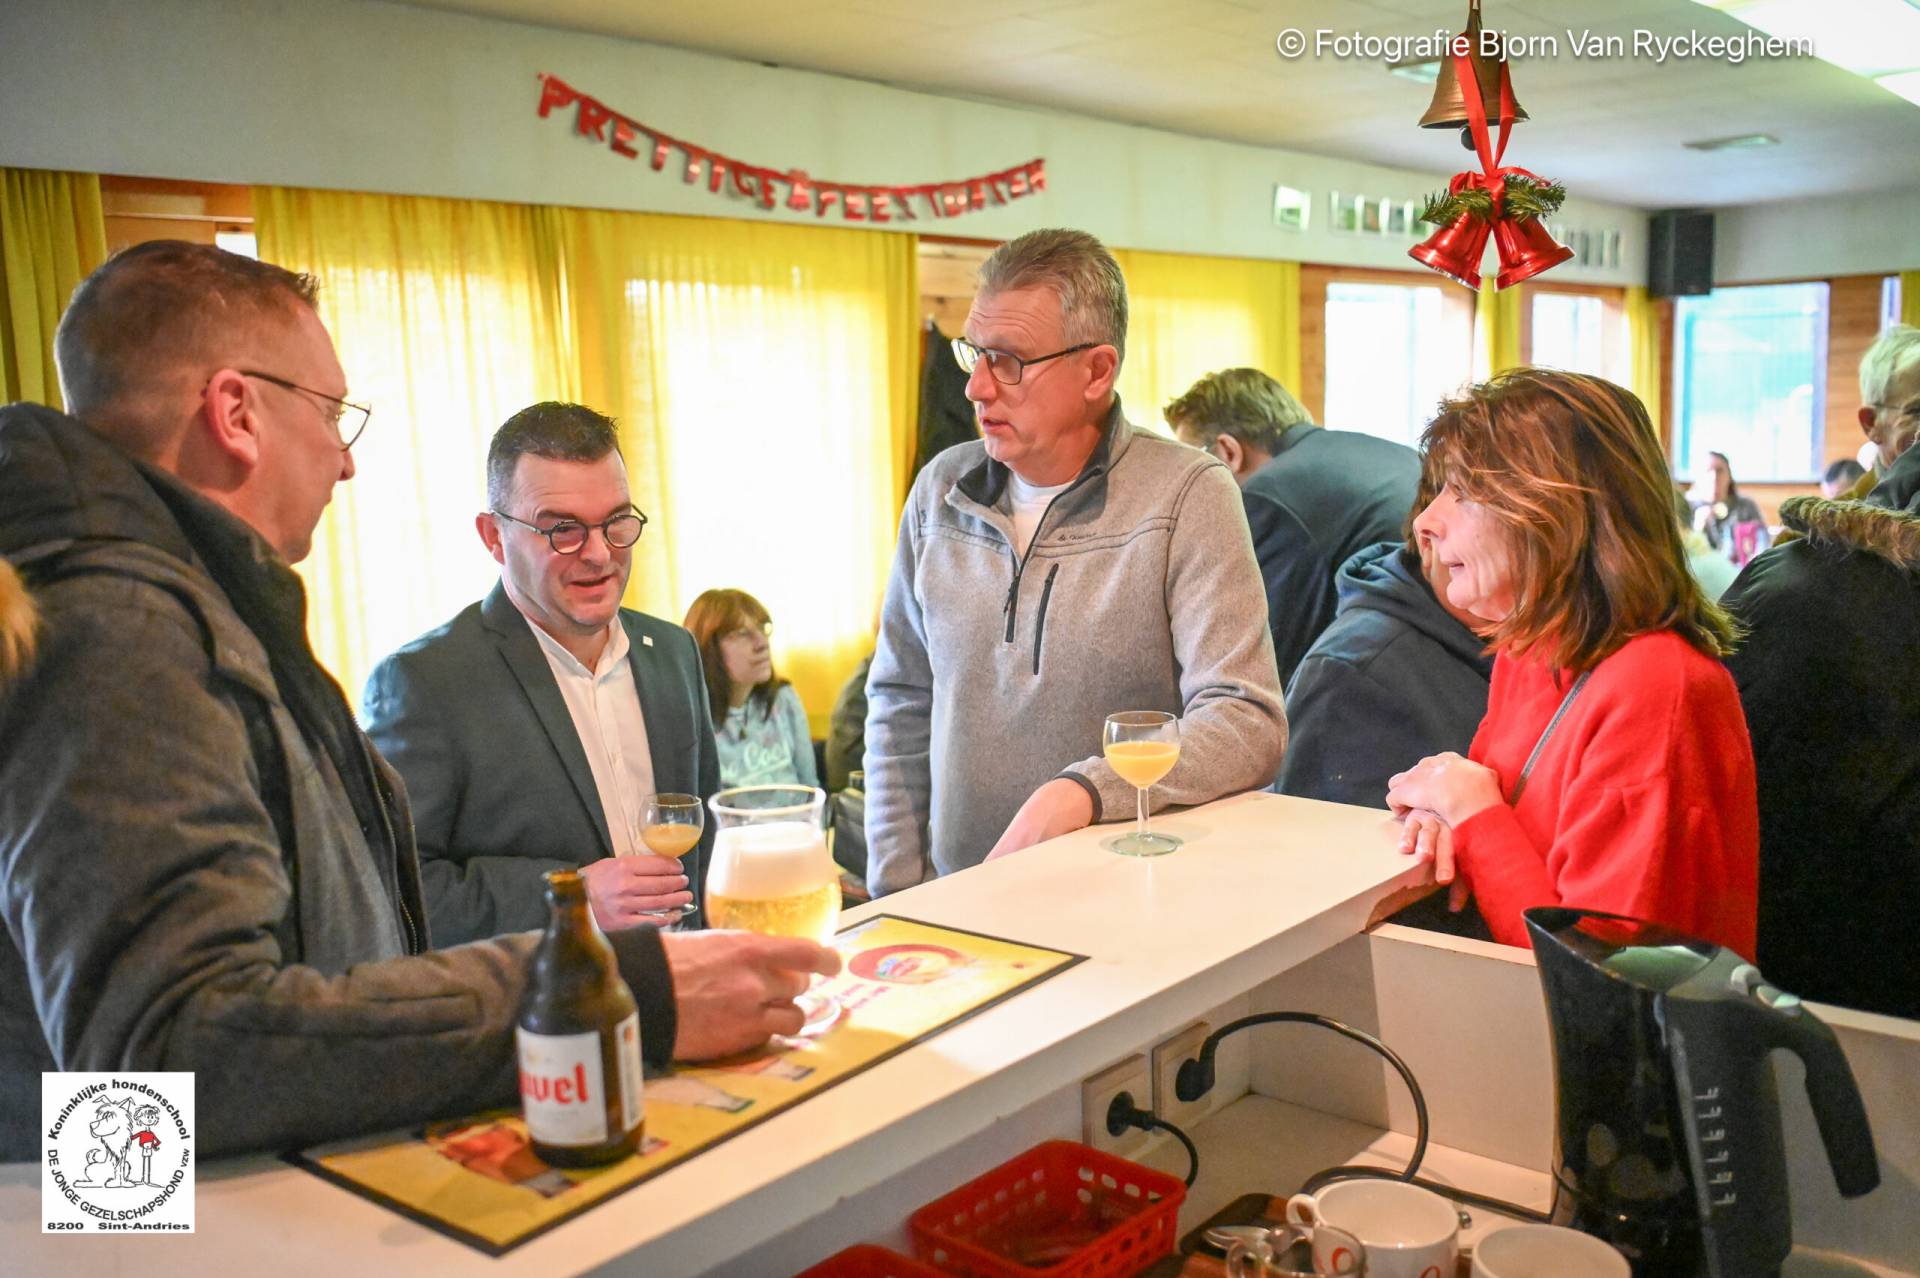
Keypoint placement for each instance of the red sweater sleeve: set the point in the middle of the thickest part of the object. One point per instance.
(1676, 843)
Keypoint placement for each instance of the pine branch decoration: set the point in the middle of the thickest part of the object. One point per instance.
(1525, 199)
(1445, 207)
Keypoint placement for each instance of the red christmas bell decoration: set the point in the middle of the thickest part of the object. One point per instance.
(1455, 250)
(1526, 249)
(1505, 201)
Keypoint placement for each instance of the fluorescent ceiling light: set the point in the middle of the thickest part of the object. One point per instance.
(1871, 38)
(1744, 142)
(1904, 83)
(1426, 72)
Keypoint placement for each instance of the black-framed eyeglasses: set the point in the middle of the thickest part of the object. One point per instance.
(345, 414)
(569, 536)
(1006, 368)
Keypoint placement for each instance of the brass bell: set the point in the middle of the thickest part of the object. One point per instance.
(1448, 110)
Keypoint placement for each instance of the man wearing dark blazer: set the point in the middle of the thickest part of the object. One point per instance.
(531, 728)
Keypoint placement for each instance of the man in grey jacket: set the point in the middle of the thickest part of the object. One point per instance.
(1061, 569)
(203, 864)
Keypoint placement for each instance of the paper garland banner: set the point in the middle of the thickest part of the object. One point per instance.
(793, 188)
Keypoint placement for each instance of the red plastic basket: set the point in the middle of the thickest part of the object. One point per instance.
(868, 1261)
(1061, 1210)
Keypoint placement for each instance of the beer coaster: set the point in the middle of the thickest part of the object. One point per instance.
(478, 1180)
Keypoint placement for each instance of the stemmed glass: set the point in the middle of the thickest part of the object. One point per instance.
(771, 874)
(1142, 746)
(670, 826)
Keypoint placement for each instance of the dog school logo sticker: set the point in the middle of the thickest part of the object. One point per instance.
(116, 1153)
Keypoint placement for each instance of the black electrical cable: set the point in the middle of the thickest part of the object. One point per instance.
(1122, 1113)
(1195, 1077)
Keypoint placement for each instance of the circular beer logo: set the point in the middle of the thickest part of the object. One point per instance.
(905, 964)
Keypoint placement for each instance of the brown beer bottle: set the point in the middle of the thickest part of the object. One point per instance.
(578, 1040)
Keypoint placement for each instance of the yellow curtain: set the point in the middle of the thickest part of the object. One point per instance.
(444, 315)
(1496, 330)
(764, 378)
(1646, 376)
(1910, 298)
(1189, 316)
(52, 236)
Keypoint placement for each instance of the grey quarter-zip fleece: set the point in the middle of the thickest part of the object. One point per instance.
(994, 674)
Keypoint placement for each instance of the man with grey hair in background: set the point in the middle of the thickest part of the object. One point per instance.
(1062, 568)
(1315, 497)
(1835, 716)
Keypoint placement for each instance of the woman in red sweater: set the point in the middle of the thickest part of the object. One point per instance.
(1613, 770)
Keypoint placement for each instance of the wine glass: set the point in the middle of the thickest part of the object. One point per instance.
(771, 874)
(1142, 746)
(670, 826)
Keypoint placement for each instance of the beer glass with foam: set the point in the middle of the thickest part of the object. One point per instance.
(771, 872)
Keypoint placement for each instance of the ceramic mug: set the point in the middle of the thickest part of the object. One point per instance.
(1408, 1232)
(1335, 1254)
(1546, 1251)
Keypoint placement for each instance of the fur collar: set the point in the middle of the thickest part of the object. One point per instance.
(1894, 535)
(19, 623)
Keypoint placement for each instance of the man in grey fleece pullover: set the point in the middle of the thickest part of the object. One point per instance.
(1061, 569)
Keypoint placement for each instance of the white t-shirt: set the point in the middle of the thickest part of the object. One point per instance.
(1029, 503)
(605, 707)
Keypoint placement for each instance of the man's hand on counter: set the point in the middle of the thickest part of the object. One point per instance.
(1056, 808)
(734, 990)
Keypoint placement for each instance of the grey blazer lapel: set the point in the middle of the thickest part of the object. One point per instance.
(514, 636)
(662, 692)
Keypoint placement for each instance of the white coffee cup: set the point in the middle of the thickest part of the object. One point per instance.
(1409, 1232)
(1546, 1251)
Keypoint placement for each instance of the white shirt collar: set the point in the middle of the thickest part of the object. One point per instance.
(611, 655)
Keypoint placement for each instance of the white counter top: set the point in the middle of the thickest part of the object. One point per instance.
(1264, 883)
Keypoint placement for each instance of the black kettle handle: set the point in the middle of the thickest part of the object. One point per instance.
(1835, 1098)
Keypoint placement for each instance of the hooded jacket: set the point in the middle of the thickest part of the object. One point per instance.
(1392, 680)
(1827, 678)
(203, 864)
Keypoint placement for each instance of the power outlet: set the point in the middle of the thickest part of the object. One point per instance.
(1167, 1058)
(1097, 1093)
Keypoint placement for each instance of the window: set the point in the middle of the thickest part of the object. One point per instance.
(1749, 380)
(1581, 333)
(1391, 358)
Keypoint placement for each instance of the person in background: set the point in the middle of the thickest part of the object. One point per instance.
(758, 721)
(532, 726)
(204, 865)
(1826, 676)
(1713, 570)
(1890, 395)
(847, 728)
(1612, 770)
(1400, 674)
(1731, 523)
(1840, 478)
(1063, 567)
(1314, 497)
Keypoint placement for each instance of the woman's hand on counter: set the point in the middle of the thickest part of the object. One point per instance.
(1425, 835)
(1451, 786)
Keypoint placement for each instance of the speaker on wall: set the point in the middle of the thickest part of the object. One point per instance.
(1680, 253)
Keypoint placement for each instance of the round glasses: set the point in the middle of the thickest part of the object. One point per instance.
(569, 536)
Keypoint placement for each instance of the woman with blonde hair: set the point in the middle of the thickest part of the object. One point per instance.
(1613, 770)
(759, 724)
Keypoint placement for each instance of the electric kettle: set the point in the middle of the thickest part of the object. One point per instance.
(1669, 1143)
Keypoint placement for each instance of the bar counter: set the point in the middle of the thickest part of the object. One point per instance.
(1264, 884)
